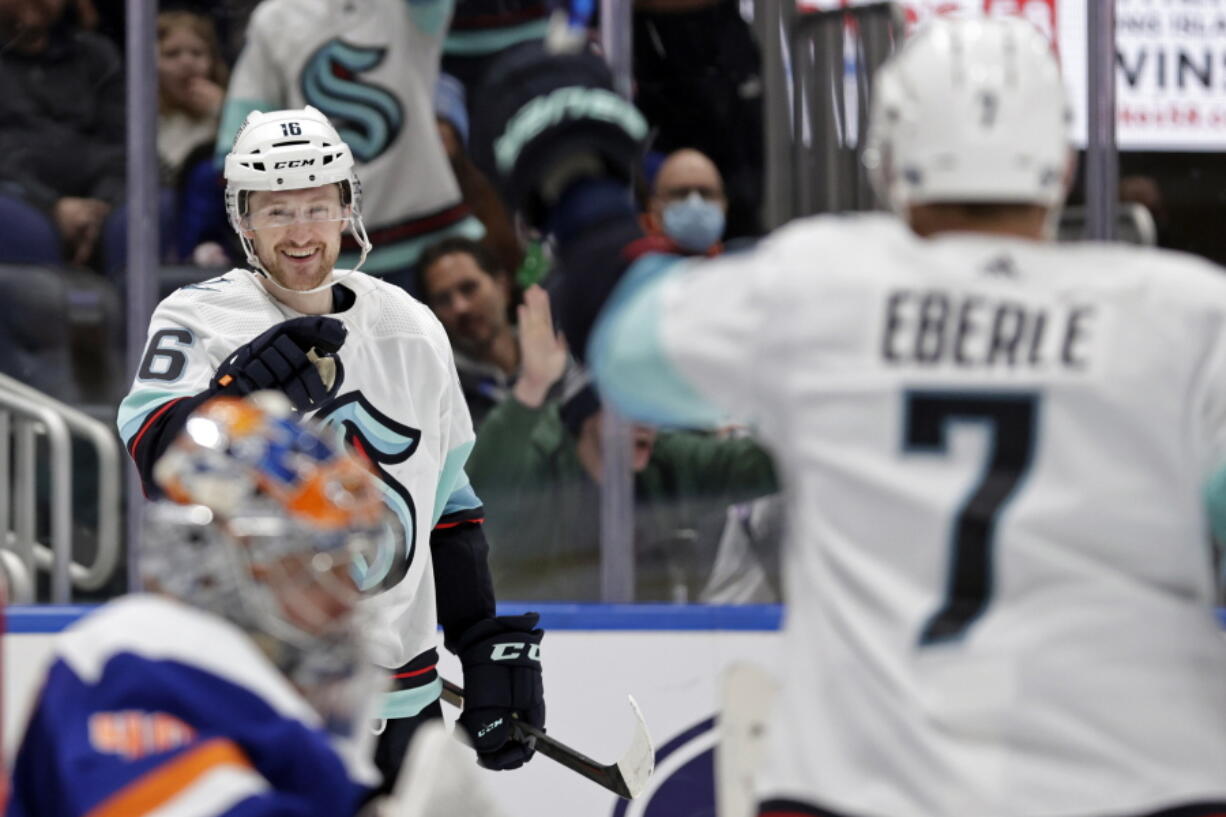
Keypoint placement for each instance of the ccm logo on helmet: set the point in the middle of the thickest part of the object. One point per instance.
(511, 651)
(294, 163)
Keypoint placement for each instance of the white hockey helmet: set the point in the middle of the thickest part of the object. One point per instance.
(292, 149)
(970, 111)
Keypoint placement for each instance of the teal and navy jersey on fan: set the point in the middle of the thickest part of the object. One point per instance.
(152, 707)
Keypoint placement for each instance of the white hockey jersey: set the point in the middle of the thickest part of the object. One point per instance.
(397, 399)
(153, 707)
(371, 67)
(998, 573)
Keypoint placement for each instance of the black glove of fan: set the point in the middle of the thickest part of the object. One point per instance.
(502, 682)
(278, 359)
(544, 120)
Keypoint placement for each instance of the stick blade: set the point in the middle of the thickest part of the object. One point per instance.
(639, 761)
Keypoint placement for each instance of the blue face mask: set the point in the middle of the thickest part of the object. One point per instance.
(695, 223)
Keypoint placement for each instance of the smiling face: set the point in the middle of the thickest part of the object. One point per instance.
(469, 301)
(298, 255)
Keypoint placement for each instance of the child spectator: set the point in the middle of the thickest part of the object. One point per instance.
(191, 88)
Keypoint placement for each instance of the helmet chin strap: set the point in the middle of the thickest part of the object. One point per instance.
(359, 232)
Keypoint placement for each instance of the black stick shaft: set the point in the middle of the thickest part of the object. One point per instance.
(610, 777)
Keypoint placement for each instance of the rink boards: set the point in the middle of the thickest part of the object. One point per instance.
(668, 657)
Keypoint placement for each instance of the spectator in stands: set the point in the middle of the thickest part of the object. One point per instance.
(481, 29)
(697, 80)
(538, 466)
(687, 209)
(471, 294)
(475, 188)
(191, 88)
(688, 204)
(61, 134)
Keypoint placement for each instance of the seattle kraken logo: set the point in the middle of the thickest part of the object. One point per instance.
(368, 116)
(382, 441)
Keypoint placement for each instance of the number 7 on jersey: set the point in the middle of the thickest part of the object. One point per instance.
(1011, 418)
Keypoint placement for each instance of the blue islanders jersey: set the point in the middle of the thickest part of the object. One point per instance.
(153, 707)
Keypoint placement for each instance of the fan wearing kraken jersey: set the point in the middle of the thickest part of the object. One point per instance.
(1003, 457)
(371, 67)
(375, 365)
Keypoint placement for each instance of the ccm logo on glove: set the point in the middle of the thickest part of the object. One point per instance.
(502, 687)
(508, 652)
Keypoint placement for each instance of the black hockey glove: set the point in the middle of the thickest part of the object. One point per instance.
(544, 120)
(502, 682)
(277, 359)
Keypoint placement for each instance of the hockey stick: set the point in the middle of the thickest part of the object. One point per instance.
(626, 778)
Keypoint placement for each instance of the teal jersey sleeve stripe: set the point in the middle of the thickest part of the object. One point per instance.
(233, 115)
(431, 16)
(480, 43)
(461, 499)
(627, 355)
(405, 703)
(1215, 504)
(452, 480)
(136, 407)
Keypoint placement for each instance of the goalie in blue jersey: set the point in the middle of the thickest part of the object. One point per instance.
(241, 687)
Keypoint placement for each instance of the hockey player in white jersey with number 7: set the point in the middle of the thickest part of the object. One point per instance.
(373, 364)
(1003, 457)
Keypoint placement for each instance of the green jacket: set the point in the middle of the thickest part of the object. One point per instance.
(543, 511)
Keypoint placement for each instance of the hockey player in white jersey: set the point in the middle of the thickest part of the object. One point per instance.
(374, 364)
(371, 67)
(241, 686)
(1003, 457)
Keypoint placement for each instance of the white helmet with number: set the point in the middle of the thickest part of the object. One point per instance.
(970, 111)
(290, 150)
